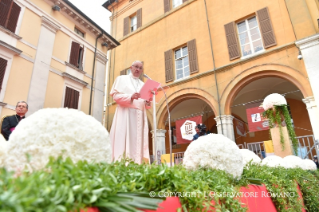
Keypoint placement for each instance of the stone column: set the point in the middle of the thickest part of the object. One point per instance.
(99, 86)
(313, 115)
(41, 67)
(309, 48)
(159, 144)
(225, 121)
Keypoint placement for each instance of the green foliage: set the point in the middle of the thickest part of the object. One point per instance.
(124, 186)
(274, 117)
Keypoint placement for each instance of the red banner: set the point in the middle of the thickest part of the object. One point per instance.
(255, 120)
(179, 123)
(239, 127)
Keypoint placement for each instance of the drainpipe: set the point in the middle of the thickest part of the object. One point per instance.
(214, 68)
(109, 78)
(93, 71)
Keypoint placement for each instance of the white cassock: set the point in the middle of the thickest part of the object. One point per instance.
(129, 131)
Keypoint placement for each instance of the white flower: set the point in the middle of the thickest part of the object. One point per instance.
(249, 156)
(3, 150)
(274, 161)
(293, 161)
(214, 151)
(274, 99)
(308, 164)
(54, 132)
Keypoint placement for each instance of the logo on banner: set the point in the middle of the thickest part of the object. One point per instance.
(188, 130)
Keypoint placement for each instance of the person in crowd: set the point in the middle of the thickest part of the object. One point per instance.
(9, 123)
(129, 131)
(315, 159)
(200, 131)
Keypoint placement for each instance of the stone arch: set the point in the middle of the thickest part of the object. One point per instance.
(178, 96)
(261, 71)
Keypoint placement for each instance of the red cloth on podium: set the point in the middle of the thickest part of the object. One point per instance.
(171, 204)
(256, 199)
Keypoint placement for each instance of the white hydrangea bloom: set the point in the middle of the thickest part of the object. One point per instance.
(54, 132)
(308, 164)
(294, 161)
(214, 151)
(273, 99)
(249, 156)
(3, 150)
(274, 161)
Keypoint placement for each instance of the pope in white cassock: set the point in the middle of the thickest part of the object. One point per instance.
(129, 131)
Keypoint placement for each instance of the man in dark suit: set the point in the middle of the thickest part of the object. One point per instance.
(9, 123)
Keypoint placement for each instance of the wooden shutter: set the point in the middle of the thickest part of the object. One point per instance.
(232, 41)
(139, 18)
(192, 56)
(71, 99)
(126, 26)
(123, 72)
(266, 29)
(185, 1)
(5, 6)
(169, 65)
(167, 5)
(74, 56)
(13, 17)
(3, 65)
(76, 95)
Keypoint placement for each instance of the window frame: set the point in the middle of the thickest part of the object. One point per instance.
(79, 32)
(172, 3)
(134, 16)
(18, 21)
(75, 86)
(181, 58)
(249, 37)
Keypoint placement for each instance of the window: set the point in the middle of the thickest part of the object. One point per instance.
(176, 3)
(76, 56)
(71, 99)
(128, 71)
(77, 31)
(133, 23)
(170, 4)
(249, 37)
(9, 14)
(181, 63)
(3, 65)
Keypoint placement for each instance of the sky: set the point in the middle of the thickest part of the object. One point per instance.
(94, 10)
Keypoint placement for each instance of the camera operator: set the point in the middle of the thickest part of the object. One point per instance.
(200, 131)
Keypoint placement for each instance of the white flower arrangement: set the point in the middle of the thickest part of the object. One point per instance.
(55, 132)
(214, 151)
(308, 164)
(274, 99)
(3, 150)
(293, 161)
(249, 156)
(274, 161)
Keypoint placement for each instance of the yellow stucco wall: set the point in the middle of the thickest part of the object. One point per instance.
(85, 100)
(62, 45)
(189, 22)
(30, 27)
(19, 81)
(54, 92)
(26, 50)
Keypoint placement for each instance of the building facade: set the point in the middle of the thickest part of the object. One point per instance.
(51, 55)
(218, 57)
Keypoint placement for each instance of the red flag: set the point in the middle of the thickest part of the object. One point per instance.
(179, 123)
(256, 122)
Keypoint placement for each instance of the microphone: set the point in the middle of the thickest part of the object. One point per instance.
(147, 76)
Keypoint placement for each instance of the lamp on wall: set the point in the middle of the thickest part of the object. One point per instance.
(56, 8)
(105, 44)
